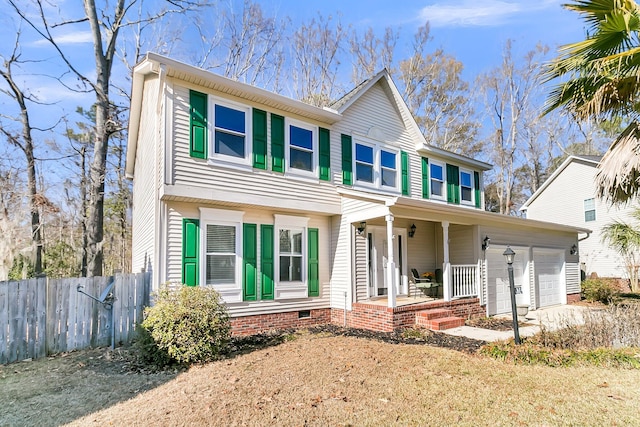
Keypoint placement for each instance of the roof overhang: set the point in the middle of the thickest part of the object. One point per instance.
(430, 150)
(154, 63)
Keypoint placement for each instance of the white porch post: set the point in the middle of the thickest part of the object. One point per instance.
(391, 266)
(446, 267)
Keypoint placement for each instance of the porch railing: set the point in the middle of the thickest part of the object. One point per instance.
(464, 280)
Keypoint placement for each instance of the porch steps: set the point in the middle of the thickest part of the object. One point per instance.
(438, 319)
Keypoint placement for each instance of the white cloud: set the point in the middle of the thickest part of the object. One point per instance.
(486, 13)
(78, 37)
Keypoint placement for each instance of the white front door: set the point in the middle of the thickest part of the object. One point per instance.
(377, 262)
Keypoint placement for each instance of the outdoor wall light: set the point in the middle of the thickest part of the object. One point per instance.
(574, 250)
(361, 227)
(485, 243)
(412, 230)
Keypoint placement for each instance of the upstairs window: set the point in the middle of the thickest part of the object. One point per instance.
(388, 167)
(466, 187)
(436, 171)
(589, 210)
(301, 148)
(364, 163)
(230, 131)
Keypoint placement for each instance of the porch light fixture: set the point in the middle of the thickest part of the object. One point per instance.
(361, 227)
(574, 250)
(509, 254)
(485, 243)
(412, 230)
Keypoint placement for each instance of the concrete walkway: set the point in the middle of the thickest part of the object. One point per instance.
(551, 317)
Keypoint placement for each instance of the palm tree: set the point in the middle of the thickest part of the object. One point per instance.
(602, 76)
(625, 239)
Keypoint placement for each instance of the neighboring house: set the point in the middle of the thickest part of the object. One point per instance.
(569, 197)
(300, 215)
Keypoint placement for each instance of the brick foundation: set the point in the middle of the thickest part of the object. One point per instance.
(384, 319)
(251, 325)
(571, 298)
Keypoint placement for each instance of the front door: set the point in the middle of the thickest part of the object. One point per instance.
(377, 261)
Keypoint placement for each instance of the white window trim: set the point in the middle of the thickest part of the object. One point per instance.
(231, 292)
(248, 148)
(473, 195)
(291, 290)
(444, 180)
(315, 148)
(377, 147)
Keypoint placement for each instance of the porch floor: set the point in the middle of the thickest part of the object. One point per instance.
(401, 300)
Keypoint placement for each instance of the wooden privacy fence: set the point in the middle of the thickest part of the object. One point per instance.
(44, 316)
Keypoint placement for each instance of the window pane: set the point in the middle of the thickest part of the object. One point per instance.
(301, 137)
(364, 172)
(230, 119)
(589, 204)
(466, 193)
(465, 179)
(229, 145)
(388, 178)
(436, 172)
(301, 159)
(590, 216)
(296, 269)
(364, 154)
(221, 269)
(221, 238)
(297, 242)
(387, 159)
(285, 265)
(436, 188)
(285, 241)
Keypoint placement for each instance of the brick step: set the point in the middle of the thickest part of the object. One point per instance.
(443, 323)
(434, 313)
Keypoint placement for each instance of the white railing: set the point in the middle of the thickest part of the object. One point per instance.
(464, 280)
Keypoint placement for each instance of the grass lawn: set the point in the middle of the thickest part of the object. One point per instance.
(320, 379)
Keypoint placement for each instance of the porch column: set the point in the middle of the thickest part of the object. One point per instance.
(446, 267)
(391, 265)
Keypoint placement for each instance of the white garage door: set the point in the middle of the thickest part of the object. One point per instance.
(548, 267)
(498, 293)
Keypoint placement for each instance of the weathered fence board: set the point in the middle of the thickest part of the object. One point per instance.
(40, 316)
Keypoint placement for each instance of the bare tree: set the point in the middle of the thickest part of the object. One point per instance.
(105, 25)
(371, 54)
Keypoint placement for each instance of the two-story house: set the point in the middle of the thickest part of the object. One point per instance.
(568, 196)
(300, 215)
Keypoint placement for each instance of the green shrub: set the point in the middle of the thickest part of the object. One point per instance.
(602, 290)
(190, 323)
(148, 352)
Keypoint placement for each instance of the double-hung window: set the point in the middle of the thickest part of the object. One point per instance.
(220, 254)
(364, 163)
(466, 187)
(302, 148)
(290, 254)
(436, 174)
(589, 210)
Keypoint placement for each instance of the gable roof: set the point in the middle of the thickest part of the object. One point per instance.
(586, 160)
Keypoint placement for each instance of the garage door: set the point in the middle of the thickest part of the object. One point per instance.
(498, 294)
(548, 266)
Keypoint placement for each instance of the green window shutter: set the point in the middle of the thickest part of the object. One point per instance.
(259, 130)
(347, 160)
(453, 184)
(190, 249)
(325, 154)
(266, 260)
(314, 272)
(198, 124)
(425, 178)
(404, 164)
(277, 143)
(249, 255)
(476, 188)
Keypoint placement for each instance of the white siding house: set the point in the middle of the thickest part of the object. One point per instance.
(569, 197)
(296, 213)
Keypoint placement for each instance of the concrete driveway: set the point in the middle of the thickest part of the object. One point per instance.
(551, 317)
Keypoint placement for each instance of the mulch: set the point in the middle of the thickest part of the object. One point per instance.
(494, 323)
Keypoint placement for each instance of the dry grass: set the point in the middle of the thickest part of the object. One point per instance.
(329, 380)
